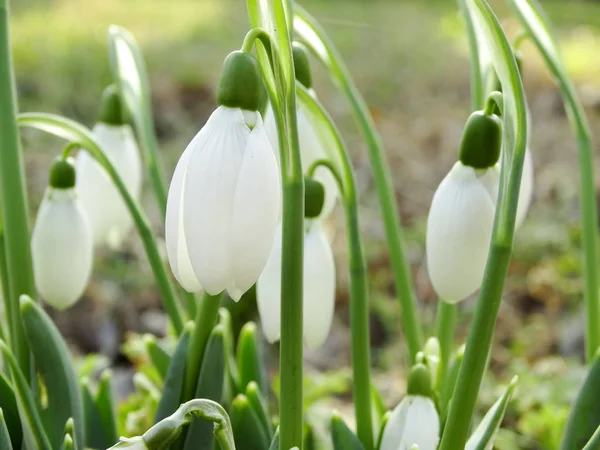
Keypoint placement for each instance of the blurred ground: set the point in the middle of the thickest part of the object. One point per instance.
(409, 58)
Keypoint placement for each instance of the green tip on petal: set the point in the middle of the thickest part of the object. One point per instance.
(302, 64)
(62, 173)
(111, 110)
(314, 198)
(241, 84)
(419, 381)
(481, 141)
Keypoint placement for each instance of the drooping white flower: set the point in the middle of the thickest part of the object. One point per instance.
(223, 205)
(318, 288)
(62, 247)
(414, 421)
(109, 217)
(459, 230)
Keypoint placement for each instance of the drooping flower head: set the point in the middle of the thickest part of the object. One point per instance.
(109, 218)
(224, 199)
(461, 217)
(61, 242)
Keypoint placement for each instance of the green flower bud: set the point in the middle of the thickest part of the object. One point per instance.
(314, 198)
(302, 64)
(241, 84)
(481, 141)
(111, 110)
(419, 381)
(62, 173)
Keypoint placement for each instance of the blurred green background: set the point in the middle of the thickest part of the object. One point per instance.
(409, 58)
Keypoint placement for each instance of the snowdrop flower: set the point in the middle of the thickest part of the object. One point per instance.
(415, 420)
(61, 242)
(461, 217)
(109, 217)
(312, 147)
(224, 200)
(135, 443)
(318, 283)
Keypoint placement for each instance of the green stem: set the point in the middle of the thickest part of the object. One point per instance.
(445, 324)
(359, 278)
(191, 303)
(207, 314)
(4, 284)
(150, 144)
(477, 88)
(13, 199)
(594, 442)
(330, 57)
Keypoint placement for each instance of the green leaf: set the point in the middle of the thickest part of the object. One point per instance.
(248, 431)
(5, 442)
(275, 442)
(594, 442)
(450, 383)
(384, 421)
(230, 390)
(585, 412)
(343, 438)
(484, 435)
(210, 386)
(159, 357)
(55, 367)
(8, 404)
(171, 395)
(94, 431)
(67, 443)
(34, 433)
(259, 405)
(106, 408)
(248, 358)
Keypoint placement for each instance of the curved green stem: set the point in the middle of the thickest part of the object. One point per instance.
(253, 35)
(13, 199)
(74, 131)
(445, 324)
(316, 39)
(477, 87)
(359, 279)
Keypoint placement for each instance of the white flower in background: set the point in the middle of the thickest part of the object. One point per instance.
(318, 289)
(109, 217)
(61, 242)
(224, 200)
(415, 420)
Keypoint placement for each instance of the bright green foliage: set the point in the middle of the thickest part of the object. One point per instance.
(343, 437)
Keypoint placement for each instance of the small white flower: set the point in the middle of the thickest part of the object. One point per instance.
(413, 422)
(223, 205)
(318, 289)
(109, 217)
(62, 248)
(311, 150)
(459, 230)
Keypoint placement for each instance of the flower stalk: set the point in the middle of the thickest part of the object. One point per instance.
(445, 325)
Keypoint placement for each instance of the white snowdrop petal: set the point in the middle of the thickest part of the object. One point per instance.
(394, 430)
(422, 425)
(319, 287)
(177, 251)
(459, 230)
(256, 209)
(62, 248)
(268, 292)
(209, 190)
(526, 190)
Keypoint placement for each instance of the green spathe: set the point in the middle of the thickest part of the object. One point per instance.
(302, 64)
(62, 173)
(314, 197)
(241, 84)
(419, 381)
(111, 111)
(481, 141)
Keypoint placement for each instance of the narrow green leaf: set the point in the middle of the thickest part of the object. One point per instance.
(594, 442)
(384, 421)
(450, 383)
(8, 404)
(259, 405)
(5, 442)
(275, 441)
(34, 433)
(55, 367)
(484, 435)
(171, 395)
(248, 431)
(248, 358)
(94, 431)
(210, 386)
(159, 357)
(106, 408)
(343, 438)
(231, 386)
(584, 416)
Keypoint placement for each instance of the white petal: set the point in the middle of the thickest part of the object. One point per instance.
(268, 292)
(62, 248)
(177, 250)
(319, 287)
(459, 230)
(255, 215)
(209, 191)
(526, 191)
(422, 425)
(394, 429)
(481, 429)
